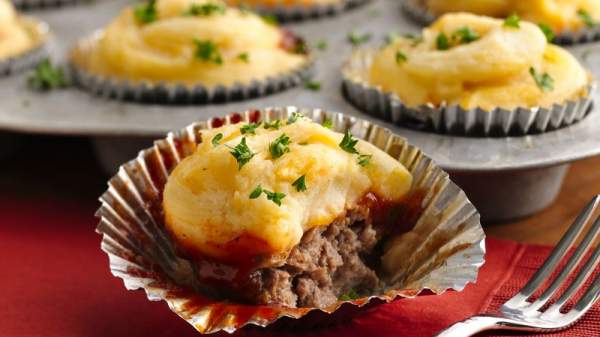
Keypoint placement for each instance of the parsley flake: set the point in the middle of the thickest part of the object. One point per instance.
(275, 197)
(207, 51)
(328, 123)
(586, 18)
(400, 57)
(275, 125)
(206, 9)
(442, 41)
(321, 44)
(465, 35)
(294, 117)
(256, 192)
(242, 153)
(244, 57)
(348, 143)
(312, 85)
(391, 37)
(249, 128)
(350, 295)
(547, 31)
(417, 39)
(513, 21)
(364, 159)
(47, 76)
(146, 12)
(356, 39)
(217, 139)
(300, 184)
(270, 19)
(279, 146)
(543, 81)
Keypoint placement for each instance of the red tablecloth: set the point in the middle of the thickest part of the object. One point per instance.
(55, 282)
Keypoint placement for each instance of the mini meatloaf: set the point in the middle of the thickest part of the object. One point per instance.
(283, 212)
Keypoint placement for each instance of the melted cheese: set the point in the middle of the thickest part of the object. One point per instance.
(560, 15)
(490, 72)
(207, 204)
(164, 50)
(14, 35)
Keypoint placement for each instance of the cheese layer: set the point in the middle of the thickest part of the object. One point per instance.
(14, 35)
(492, 71)
(560, 15)
(164, 50)
(207, 201)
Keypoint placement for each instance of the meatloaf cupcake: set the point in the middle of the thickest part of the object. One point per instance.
(466, 67)
(21, 40)
(188, 51)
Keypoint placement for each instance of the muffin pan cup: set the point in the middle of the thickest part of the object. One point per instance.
(444, 250)
(416, 10)
(453, 119)
(286, 13)
(31, 57)
(179, 93)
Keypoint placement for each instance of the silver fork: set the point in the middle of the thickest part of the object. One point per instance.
(520, 314)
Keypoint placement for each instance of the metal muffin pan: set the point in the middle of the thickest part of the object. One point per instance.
(528, 167)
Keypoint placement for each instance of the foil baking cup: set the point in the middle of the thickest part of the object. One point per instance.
(454, 119)
(416, 10)
(444, 250)
(286, 13)
(31, 57)
(43, 4)
(174, 93)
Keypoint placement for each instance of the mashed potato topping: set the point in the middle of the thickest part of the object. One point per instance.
(191, 42)
(15, 35)
(219, 202)
(476, 61)
(560, 15)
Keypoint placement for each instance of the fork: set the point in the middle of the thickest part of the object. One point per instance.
(520, 314)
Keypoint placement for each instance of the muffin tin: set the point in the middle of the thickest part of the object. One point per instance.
(530, 168)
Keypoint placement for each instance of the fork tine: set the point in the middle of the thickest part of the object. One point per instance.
(585, 303)
(574, 260)
(552, 261)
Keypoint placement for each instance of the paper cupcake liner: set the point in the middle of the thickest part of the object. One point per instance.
(287, 13)
(31, 57)
(416, 10)
(179, 93)
(447, 254)
(454, 119)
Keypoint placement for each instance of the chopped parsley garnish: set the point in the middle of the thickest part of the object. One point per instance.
(300, 184)
(465, 35)
(348, 143)
(442, 41)
(207, 51)
(217, 139)
(47, 76)
(244, 57)
(391, 37)
(321, 44)
(417, 39)
(206, 9)
(513, 21)
(543, 81)
(249, 128)
(364, 159)
(547, 31)
(279, 146)
(328, 123)
(275, 197)
(356, 39)
(586, 18)
(312, 85)
(300, 48)
(350, 295)
(294, 117)
(275, 125)
(146, 12)
(242, 153)
(400, 57)
(256, 192)
(270, 19)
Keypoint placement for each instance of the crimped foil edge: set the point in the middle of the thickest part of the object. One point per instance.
(31, 57)
(415, 10)
(179, 93)
(287, 13)
(141, 254)
(454, 119)
(37, 4)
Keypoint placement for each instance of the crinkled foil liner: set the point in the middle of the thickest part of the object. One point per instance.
(453, 119)
(416, 10)
(443, 251)
(35, 4)
(287, 13)
(30, 58)
(173, 93)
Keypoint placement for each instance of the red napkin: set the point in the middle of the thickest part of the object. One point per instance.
(55, 282)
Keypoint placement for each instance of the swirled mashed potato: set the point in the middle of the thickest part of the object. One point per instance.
(476, 61)
(560, 15)
(15, 38)
(208, 204)
(190, 42)
(274, 3)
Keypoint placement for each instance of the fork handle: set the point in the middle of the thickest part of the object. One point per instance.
(471, 326)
